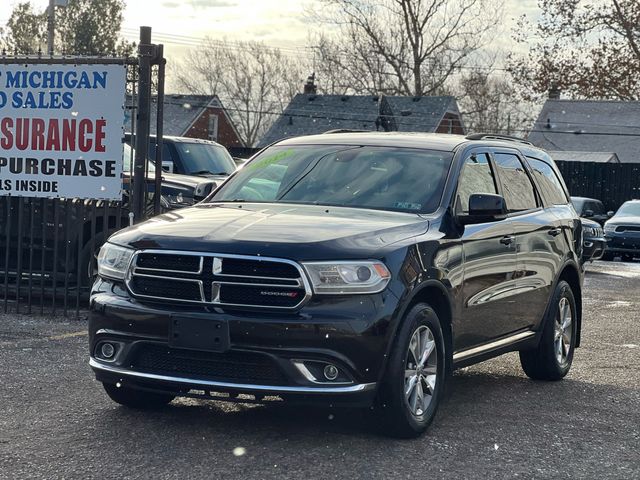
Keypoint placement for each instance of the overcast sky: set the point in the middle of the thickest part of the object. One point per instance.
(179, 23)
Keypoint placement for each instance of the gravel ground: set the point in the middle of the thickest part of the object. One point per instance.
(56, 422)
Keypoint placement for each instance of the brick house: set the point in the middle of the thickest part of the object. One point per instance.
(195, 116)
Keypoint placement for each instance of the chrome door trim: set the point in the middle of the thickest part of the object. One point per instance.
(503, 342)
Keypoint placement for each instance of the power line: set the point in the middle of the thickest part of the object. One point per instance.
(455, 122)
(297, 52)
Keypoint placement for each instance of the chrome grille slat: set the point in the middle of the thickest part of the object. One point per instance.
(257, 291)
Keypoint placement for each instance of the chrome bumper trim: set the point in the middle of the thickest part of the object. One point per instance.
(362, 387)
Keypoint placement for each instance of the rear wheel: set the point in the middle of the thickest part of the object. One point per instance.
(415, 377)
(552, 358)
(138, 399)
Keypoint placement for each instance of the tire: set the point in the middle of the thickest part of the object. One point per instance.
(552, 358)
(88, 265)
(138, 399)
(403, 415)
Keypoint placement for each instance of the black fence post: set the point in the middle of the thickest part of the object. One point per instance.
(146, 54)
(159, 131)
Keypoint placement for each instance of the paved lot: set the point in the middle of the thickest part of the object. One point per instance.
(55, 421)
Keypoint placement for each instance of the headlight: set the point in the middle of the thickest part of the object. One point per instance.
(331, 278)
(177, 200)
(113, 261)
(609, 228)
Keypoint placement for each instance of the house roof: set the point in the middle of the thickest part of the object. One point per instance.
(313, 114)
(180, 112)
(571, 156)
(420, 114)
(589, 126)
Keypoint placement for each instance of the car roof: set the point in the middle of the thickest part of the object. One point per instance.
(433, 141)
(180, 139)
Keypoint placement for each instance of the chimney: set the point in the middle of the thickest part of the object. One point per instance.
(554, 91)
(310, 87)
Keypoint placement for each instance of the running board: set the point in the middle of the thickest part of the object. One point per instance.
(488, 347)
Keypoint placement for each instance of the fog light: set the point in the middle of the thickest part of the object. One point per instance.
(107, 350)
(331, 372)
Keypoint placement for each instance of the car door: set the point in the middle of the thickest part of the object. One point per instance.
(537, 252)
(489, 266)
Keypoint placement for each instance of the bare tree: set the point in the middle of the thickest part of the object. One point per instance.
(255, 82)
(489, 101)
(403, 47)
(590, 49)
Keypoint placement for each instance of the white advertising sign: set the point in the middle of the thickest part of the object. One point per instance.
(61, 129)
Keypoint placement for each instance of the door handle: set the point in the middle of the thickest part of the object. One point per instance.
(554, 232)
(507, 240)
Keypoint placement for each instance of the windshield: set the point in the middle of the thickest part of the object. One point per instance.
(629, 209)
(385, 178)
(128, 155)
(200, 158)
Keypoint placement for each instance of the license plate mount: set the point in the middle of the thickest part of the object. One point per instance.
(199, 333)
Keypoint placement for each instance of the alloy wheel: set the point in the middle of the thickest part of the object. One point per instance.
(563, 331)
(421, 369)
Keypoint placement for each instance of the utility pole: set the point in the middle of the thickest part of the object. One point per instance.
(51, 25)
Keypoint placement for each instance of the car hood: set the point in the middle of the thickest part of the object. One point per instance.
(624, 220)
(298, 232)
(586, 222)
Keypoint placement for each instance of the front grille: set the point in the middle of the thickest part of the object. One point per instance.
(162, 288)
(250, 295)
(627, 228)
(178, 263)
(251, 268)
(235, 367)
(218, 279)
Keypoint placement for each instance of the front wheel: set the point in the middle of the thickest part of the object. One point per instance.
(552, 358)
(414, 382)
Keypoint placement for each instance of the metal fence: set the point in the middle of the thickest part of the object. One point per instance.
(48, 246)
(612, 183)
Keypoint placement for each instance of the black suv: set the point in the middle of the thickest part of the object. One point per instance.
(346, 269)
(192, 156)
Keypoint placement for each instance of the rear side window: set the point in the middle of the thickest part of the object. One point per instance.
(476, 177)
(548, 181)
(517, 188)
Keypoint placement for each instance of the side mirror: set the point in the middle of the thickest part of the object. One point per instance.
(588, 214)
(610, 213)
(484, 207)
(167, 167)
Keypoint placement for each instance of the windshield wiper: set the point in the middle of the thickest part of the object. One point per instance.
(202, 172)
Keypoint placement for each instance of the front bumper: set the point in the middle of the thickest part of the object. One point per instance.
(623, 243)
(352, 333)
(593, 248)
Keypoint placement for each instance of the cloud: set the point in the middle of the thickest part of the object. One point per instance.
(200, 4)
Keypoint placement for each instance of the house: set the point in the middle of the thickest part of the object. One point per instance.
(195, 116)
(309, 114)
(570, 156)
(607, 127)
(426, 114)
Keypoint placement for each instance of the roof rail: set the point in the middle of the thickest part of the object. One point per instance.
(494, 136)
(345, 130)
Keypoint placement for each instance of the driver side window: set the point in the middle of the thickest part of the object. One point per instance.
(476, 177)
